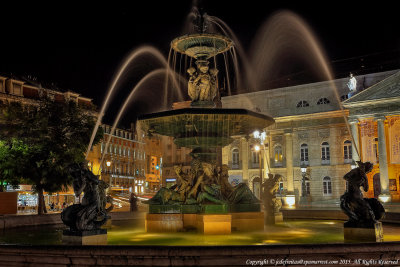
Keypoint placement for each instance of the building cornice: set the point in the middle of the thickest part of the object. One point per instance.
(311, 116)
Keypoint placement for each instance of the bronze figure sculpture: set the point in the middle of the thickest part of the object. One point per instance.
(362, 212)
(91, 213)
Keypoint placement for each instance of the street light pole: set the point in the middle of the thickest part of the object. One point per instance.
(108, 163)
(260, 137)
(258, 149)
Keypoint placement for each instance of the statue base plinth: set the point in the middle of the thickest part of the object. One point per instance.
(167, 222)
(190, 221)
(92, 237)
(245, 207)
(363, 234)
(214, 224)
(247, 221)
(214, 208)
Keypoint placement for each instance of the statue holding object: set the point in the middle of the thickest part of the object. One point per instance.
(272, 205)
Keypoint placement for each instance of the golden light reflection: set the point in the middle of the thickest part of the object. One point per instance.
(270, 241)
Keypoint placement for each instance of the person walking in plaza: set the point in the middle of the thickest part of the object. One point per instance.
(133, 202)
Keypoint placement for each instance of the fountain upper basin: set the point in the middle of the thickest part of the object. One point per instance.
(203, 45)
(204, 127)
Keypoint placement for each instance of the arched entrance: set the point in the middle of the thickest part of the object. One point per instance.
(257, 186)
(377, 185)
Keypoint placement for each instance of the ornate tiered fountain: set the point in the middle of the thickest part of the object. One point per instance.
(203, 198)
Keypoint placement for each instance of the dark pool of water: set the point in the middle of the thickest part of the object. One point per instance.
(133, 233)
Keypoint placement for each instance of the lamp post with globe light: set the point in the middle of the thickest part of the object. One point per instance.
(108, 163)
(260, 137)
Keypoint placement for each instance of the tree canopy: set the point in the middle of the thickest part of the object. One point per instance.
(54, 135)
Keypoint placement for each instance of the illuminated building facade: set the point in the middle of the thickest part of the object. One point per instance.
(154, 162)
(310, 132)
(124, 164)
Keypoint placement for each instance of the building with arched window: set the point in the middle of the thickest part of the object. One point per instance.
(304, 155)
(347, 152)
(327, 186)
(310, 130)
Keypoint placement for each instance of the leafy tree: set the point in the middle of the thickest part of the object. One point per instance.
(11, 155)
(56, 135)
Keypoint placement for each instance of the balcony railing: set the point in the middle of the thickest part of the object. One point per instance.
(256, 165)
(235, 165)
(277, 164)
(325, 161)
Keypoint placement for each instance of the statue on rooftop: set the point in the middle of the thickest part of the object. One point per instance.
(362, 212)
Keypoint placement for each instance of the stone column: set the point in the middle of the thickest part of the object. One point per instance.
(356, 144)
(383, 163)
(289, 161)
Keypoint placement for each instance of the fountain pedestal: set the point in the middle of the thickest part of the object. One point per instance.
(247, 221)
(164, 222)
(214, 224)
(363, 234)
(92, 237)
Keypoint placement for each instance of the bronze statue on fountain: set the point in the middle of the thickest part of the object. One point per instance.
(272, 205)
(206, 185)
(205, 129)
(91, 213)
(363, 213)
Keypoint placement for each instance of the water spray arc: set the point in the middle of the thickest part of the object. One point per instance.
(113, 87)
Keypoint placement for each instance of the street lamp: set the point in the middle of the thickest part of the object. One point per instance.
(108, 163)
(260, 137)
(303, 169)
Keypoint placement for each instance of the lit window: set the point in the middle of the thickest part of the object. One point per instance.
(307, 187)
(278, 157)
(304, 154)
(323, 101)
(235, 157)
(347, 152)
(325, 153)
(327, 186)
(302, 104)
(254, 157)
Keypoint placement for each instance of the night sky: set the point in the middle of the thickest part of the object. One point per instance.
(79, 47)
